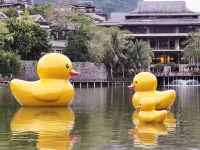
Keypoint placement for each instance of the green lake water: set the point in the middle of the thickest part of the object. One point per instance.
(99, 119)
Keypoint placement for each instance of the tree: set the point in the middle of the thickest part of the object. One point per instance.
(45, 11)
(41, 43)
(82, 19)
(99, 47)
(4, 35)
(192, 46)
(28, 37)
(141, 54)
(118, 45)
(10, 64)
(10, 12)
(77, 49)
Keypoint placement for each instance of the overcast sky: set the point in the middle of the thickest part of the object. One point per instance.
(193, 5)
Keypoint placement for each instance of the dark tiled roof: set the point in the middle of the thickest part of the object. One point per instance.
(85, 4)
(162, 7)
(3, 15)
(156, 8)
(117, 16)
(163, 21)
(162, 14)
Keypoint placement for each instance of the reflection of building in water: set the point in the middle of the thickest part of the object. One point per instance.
(52, 126)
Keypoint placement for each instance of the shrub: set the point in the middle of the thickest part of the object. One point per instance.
(10, 64)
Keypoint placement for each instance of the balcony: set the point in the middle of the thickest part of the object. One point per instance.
(158, 35)
(170, 50)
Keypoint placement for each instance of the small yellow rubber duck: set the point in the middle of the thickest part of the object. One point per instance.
(148, 114)
(51, 124)
(145, 85)
(53, 88)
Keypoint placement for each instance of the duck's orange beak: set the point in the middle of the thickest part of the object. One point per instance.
(73, 73)
(131, 86)
(137, 107)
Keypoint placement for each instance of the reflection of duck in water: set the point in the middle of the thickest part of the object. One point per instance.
(170, 121)
(51, 124)
(145, 134)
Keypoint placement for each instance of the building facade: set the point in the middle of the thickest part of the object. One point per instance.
(87, 7)
(163, 24)
(18, 4)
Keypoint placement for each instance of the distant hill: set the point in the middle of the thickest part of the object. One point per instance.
(108, 6)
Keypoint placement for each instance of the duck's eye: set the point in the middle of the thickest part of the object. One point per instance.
(67, 66)
(136, 82)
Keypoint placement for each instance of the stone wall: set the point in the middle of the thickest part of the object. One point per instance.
(29, 70)
(88, 71)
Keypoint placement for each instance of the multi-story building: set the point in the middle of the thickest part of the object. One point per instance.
(87, 7)
(163, 24)
(18, 4)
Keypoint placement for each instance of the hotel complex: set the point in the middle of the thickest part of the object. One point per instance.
(163, 24)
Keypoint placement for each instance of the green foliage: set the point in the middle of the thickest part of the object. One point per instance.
(28, 37)
(10, 64)
(141, 54)
(119, 53)
(192, 46)
(44, 10)
(100, 47)
(82, 19)
(4, 35)
(10, 12)
(108, 6)
(40, 43)
(77, 46)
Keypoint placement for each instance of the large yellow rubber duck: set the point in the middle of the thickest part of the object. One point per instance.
(145, 85)
(51, 124)
(148, 114)
(53, 88)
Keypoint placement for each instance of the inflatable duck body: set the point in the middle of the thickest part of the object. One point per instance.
(52, 125)
(148, 114)
(145, 85)
(53, 88)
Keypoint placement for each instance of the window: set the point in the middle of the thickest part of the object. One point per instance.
(163, 43)
(172, 43)
(59, 51)
(186, 29)
(165, 29)
(153, 43)
(138, 30)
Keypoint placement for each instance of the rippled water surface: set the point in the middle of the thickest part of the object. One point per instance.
(99, 119)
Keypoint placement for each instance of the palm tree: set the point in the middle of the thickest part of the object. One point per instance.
(140, 54)
(192, 46)
(118, 43)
